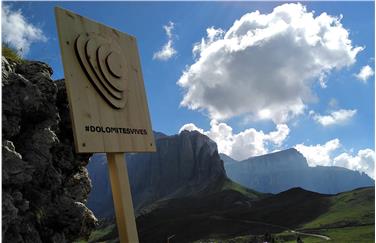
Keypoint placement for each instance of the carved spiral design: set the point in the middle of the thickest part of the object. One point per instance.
(104, 65)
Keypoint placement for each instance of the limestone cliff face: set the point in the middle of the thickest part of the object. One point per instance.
(185, 164)
(45, 184)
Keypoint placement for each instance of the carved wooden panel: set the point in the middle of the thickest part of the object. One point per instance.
(105, 87)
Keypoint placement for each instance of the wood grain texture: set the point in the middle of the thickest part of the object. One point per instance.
(121, 194)
(116, 111)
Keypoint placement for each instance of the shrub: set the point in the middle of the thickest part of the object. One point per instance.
(10, 53)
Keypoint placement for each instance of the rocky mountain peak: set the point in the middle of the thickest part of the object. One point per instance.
(199, 141)
(184, 164)
(284, 159)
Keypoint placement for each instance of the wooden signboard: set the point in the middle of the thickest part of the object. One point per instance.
(105, 87)
(107, 102)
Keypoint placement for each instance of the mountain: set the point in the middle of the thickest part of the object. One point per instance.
(44, 183)
(182, 192)
(227, 159)
(188, 164)
(184, 165)
(230, 216)
(280, 171)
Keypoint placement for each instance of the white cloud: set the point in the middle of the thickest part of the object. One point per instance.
(365, 73)
(214, 34)
(322, 155)
(191, 127)
(335, 117)
(264, 65)
(364, 161)
(167, 50)
(319, 154)
(17, 32)
(169, 28)
(245, 144)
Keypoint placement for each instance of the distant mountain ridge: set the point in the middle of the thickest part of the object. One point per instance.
(227, 159)
(280, 171)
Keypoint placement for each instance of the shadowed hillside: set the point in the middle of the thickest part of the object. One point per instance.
(230, 216)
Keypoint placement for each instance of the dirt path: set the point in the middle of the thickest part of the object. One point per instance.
(323, 237)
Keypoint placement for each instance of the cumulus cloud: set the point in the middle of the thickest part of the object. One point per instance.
(191, 127)
(17, 32)
(365, 73)
(318, 154)
(335, 117)
(167, 50)
(265, 65)
(245, 144)
(364, 161)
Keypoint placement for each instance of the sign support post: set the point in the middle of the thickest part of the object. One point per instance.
(121, 193)
(107, 102)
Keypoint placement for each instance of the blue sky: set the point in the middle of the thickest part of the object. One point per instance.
(347, 139)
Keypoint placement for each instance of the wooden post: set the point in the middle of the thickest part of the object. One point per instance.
(121, 193)
(107, 102)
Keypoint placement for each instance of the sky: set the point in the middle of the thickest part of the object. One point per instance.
(255, 77)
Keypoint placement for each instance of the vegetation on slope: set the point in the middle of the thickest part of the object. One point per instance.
(231, 185)
(10, 53)
(344, 218)
(104, 233)
(347, 209)
(359, 234)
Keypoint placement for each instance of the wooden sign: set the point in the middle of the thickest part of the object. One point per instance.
(105, 87)
(107, 102)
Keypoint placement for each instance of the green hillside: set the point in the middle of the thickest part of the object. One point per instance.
(347, 209)
(343, 218)
(231, 185)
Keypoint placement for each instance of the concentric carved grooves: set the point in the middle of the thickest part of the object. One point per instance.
(105, 67)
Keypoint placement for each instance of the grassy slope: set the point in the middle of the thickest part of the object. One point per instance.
(362, 234)
(101, 234)
(350, 218)
(346, 219)
(231, 185)
(358, 234)
(10, 53)
(349, 208)
(97, 235)
(106, 232)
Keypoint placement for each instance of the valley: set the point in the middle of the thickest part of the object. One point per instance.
(243, 219)
(183, 193)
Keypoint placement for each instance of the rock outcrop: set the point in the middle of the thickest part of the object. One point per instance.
(280, 171)
(45, 184)
(184, 165)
